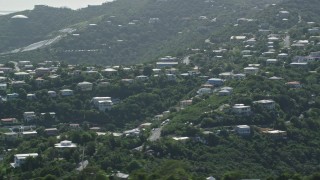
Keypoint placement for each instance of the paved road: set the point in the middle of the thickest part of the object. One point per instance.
(155, 134)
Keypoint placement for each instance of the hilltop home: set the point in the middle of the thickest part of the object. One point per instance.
(243, 130)
(85, 86)
(241, 109)
(19, 159)
(266, 104)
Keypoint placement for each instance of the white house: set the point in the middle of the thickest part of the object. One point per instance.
(65, 144)
(203, 91)
(243, 130)
(241, 109)
(142, 78)
(251, 70)
(52, 93)
(3, 86)
(104, 105)
(85, 86)
(271, 61)
(19, 159)
(267, 104)
(31, 96)
(29, 116)
(95, 100)
(66, 92)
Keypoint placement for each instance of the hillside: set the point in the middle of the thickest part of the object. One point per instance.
(240, 99)
(126, 32)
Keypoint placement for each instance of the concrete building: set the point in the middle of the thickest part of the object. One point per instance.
(42, 71)
(241, 109)
(19, 159)
(251, 70)
(66, 92)
(85, 86)
(29, 116)
(266, 104)
(65, 144)
(243, 130)
(215, 81)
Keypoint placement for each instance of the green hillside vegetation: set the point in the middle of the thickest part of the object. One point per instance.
(192, 141)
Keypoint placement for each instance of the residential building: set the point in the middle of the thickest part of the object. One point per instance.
(8, 121)
(127, 81)
(224, 92)
(85, 86)
(12, 96)
(95, 100)
(185, 103)
(31, 96)
(274, 134)
(166, 64)
(215, 81)
(52, 93)
(19, 159)
(29, 116)
(17, 84)
(266, 104)
(42, 71)
(203, 91)
(133, 132)
(66, 92)
(142, 78)
(28, 134)
(11, 136)
(294, 84)
(65, 144)
(241, 109)
(271, 61)
(104, 105)
(243, 130)
(21, 75)
(251, 70)
(3, 86)
(74, 126)
(51, 131)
